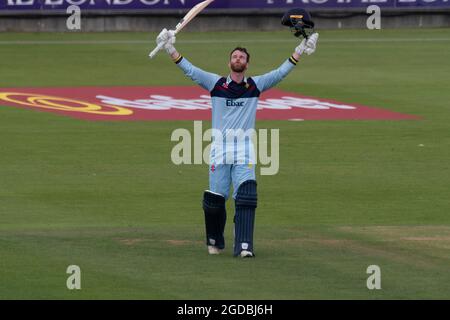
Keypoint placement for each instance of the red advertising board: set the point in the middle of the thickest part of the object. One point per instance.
(178, 103)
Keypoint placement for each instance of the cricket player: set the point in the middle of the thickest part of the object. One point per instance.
(234, 102)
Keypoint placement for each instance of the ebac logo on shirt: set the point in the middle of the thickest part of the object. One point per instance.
(234, 103)
(178, 103)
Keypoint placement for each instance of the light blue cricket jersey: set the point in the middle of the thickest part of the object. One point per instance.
(234, 107)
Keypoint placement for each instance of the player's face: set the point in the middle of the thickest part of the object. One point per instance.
(238, 61)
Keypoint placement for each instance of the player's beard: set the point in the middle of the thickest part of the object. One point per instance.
(238, 67)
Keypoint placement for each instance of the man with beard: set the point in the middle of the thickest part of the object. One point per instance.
(234, 102)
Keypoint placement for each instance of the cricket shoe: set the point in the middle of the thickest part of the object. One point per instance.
(246, 254)
(214, 250)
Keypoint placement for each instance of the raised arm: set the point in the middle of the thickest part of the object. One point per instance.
(266, 81)
(270, 79)
(205, 79)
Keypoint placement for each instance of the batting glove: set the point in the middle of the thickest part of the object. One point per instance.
(311, 43)
(301, 48)
(169, 46)
(162, 37)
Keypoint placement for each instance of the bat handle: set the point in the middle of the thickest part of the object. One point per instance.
(155, 51)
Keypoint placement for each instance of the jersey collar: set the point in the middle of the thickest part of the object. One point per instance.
(242, 83)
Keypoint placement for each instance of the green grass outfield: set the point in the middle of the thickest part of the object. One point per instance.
(349, 194)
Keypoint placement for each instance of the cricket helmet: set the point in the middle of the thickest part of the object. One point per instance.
(299, 20)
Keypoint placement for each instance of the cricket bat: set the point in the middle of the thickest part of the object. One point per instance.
(183, 22)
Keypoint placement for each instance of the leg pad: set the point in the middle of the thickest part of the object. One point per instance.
(246, 203)
(215, 219)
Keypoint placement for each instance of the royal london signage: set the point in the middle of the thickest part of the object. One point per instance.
(49, 5)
